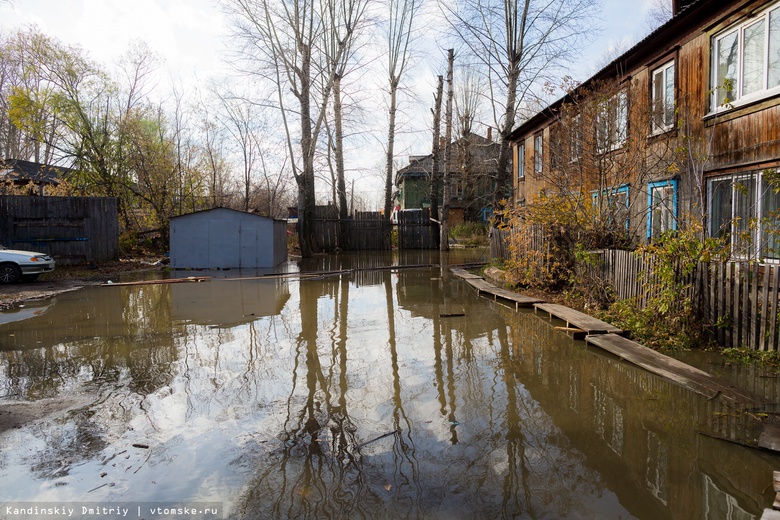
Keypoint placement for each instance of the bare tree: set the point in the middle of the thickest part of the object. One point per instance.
(242, 124)
(659, 13)
(343, 18)
(282, 41)
(517, 42)
(399, 35)
(436, 149)
(444, 244)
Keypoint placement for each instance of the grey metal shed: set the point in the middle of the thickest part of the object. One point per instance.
(227, 239)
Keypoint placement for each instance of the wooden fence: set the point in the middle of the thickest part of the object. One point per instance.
(366, 230)
(416, 230)
(741, 300)
(71, 229)
(528, 239)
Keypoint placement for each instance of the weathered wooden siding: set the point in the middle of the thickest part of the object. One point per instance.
(71, 229)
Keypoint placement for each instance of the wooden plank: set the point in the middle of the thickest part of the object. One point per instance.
(754, 307)
(745, 325)
(729, 289)
(763, 332)
(462, 273)
(720, 302)
(774, 295)
(676, 371)
(158, 282)
(518, 299)
(578, 319)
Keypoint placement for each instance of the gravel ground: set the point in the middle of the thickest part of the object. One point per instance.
(69, 277)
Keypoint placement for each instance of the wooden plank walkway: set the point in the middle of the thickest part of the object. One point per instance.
(578, 320)
(676, 371)
(498, 293)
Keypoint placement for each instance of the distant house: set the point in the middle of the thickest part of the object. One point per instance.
(413, 183)
(473, 170)
(17, 173)
(227, 239)
(688, 131)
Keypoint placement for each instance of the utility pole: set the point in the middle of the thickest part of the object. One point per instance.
(436, 152)
(444, 244)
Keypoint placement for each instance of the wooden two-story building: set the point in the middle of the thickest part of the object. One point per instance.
(681, 128)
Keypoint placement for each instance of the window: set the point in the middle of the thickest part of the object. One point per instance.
(555, 149)
(458, 189)
(538, 153)
(744, 208)
(520, 161)
(661, 207)
(663, 98)
(575, 143)
(612, 123)
(746, 60)
(613, 203)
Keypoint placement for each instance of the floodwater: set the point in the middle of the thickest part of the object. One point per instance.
(372, 394)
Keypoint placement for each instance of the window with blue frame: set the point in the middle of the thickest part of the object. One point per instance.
(661, 207)
(613, 203)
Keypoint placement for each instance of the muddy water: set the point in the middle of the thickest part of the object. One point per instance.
(373, 394)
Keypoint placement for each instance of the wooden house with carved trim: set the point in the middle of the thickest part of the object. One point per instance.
(684, 125)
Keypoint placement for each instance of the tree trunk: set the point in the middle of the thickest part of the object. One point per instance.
(390, 145)
(306, 194)
(436, 153)
(341, 185)
(444, 244)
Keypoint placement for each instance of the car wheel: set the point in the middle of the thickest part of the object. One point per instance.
(10, 273)
(29, 277)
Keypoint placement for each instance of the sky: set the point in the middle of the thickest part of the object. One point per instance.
(186, 34)
(190, 36)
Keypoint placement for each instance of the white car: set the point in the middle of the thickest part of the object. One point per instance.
(18, 265)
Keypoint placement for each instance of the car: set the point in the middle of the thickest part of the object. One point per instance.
(16, 265)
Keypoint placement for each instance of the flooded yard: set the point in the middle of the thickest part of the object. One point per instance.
(368, 394)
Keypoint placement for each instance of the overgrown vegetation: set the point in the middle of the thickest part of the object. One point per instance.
(470, 234)
(670, 318)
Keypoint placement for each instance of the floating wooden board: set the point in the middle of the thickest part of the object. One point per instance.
(156, 282)
(578, 319)
(497, 293)
(462, 273)
(676, 371)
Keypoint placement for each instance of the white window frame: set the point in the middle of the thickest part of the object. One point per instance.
(538, 153)
(521, 161)
(612, 123)
(575, 142)
(755, 203)
(663, 106)
(738, 97)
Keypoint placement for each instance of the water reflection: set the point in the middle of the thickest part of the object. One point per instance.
(378, 394)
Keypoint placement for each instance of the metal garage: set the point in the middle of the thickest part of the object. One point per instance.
(227, 239)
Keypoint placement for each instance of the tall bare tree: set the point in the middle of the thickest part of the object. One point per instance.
(517, 42)
(282, 41)
(444, 243)
(436, 150)
(343, 20)
(399, 35)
